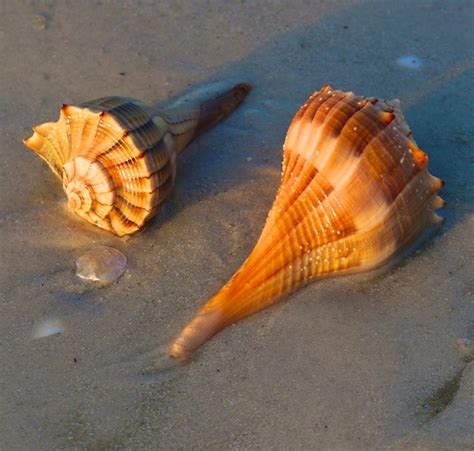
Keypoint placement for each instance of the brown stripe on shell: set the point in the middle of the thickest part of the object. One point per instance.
(337, 117)
(142, 200)
(126, 152)
(365, 126)
(134, 213)
(130, 116)
(105, 103)
(159, 155)
(147, 136)
(120, 224)
(314, 116)
(137, 169)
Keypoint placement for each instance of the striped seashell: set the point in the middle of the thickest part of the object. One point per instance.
(355, 190)
(116, 156)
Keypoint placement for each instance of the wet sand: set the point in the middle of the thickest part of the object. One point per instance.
(367, 361)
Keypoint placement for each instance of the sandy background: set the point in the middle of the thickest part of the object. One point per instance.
(350, 363)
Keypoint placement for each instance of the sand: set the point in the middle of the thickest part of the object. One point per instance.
(368, 361)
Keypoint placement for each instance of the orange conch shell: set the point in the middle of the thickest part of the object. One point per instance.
(354, 191)
(116, 156)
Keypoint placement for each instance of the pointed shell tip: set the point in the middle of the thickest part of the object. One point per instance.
(177, 352)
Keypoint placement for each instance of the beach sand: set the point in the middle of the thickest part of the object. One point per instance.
(368, 361)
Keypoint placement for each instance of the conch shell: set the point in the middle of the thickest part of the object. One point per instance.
(116, 156)
(355, 190)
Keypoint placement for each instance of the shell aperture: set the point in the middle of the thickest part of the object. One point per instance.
(116, 156)
(354, 191)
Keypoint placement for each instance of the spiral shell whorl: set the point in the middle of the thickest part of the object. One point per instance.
(89, 188)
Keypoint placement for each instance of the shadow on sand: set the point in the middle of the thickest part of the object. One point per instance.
(351, 53)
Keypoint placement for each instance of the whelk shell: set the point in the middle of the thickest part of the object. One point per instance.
(116, 156)
(354, 191)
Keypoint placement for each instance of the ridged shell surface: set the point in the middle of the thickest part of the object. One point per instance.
(354, 191)
(116, 156)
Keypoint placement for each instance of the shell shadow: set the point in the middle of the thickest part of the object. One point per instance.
(287, 69)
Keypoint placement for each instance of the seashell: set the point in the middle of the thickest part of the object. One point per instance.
(116, 156)
(48, 328)
(355, 191)
(101, 264)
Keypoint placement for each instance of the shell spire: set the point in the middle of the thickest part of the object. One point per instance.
(355, 190)
(116, 156)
